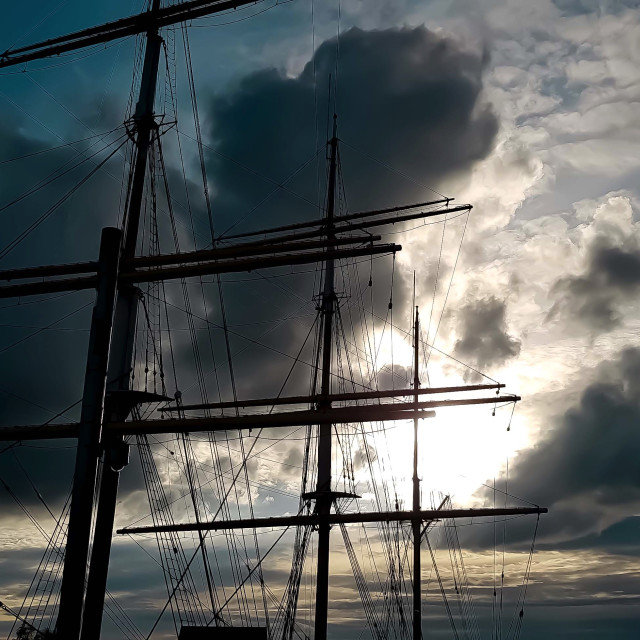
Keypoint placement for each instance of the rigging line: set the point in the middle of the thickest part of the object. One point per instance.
(31, 117)
(34, 225)
(58, 102)
(35, 26)
(337, 64)
(60, 146)
(503, 492)
(253, 15)
(17, 443)
(218, 279)
(442, 590)
(185, 290)
(35, 333)
(49, 538)
(55, 175)
(216, 475)
(504, 544)
(271, 193)
(188, 205)
(256, 342)
(196, 120)
(220, 475)
(405, 230)
(465, 580)
(46, 556)
(205, 484)
(254, 568)
(453, 272)
(24, 303)
(315, 101)
(169, 546)
(434, 348)
(525, 585)
(392, 169)
(36, 326)
(23, 507)
(435, 285)
(279, 185)
(188, 454)
(33, 486)
(464, 364)
(223, 503)
(35, 404)
(92, 52)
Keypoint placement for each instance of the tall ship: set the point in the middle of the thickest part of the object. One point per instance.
(172, 388)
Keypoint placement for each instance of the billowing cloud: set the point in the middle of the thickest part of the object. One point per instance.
(585, 470)
(597, 296)
(484, 338)
(410, 97)
(594, 298)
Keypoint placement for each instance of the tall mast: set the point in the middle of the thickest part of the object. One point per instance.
(416, 522)
(71, 624)
(118, 405)
(89, 433)
(324, 497)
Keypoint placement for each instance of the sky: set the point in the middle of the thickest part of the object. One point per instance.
(527, 111)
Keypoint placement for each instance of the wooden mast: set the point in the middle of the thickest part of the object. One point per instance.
(416, 523)
(324, 497)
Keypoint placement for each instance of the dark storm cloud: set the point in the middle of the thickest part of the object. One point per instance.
(595, 447)
(621, 538)
(41, 360)
(595, 298)
(484, 339)
(407, 96)
(586, 470)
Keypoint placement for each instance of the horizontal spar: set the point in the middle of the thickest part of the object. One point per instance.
(46, 271)
(309, 417)
(338, 219)
(197, 269)
(342, 415)
(342, 226)
(244, 250)
(334, 397)
(337, 518)
(117, 29)
(251, 264)
(48, 286)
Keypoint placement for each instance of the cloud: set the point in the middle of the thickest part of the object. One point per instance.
(596, 297)
(622, 538)
(484, 339)
(586, 469)
(43, 374)
(410, 97)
